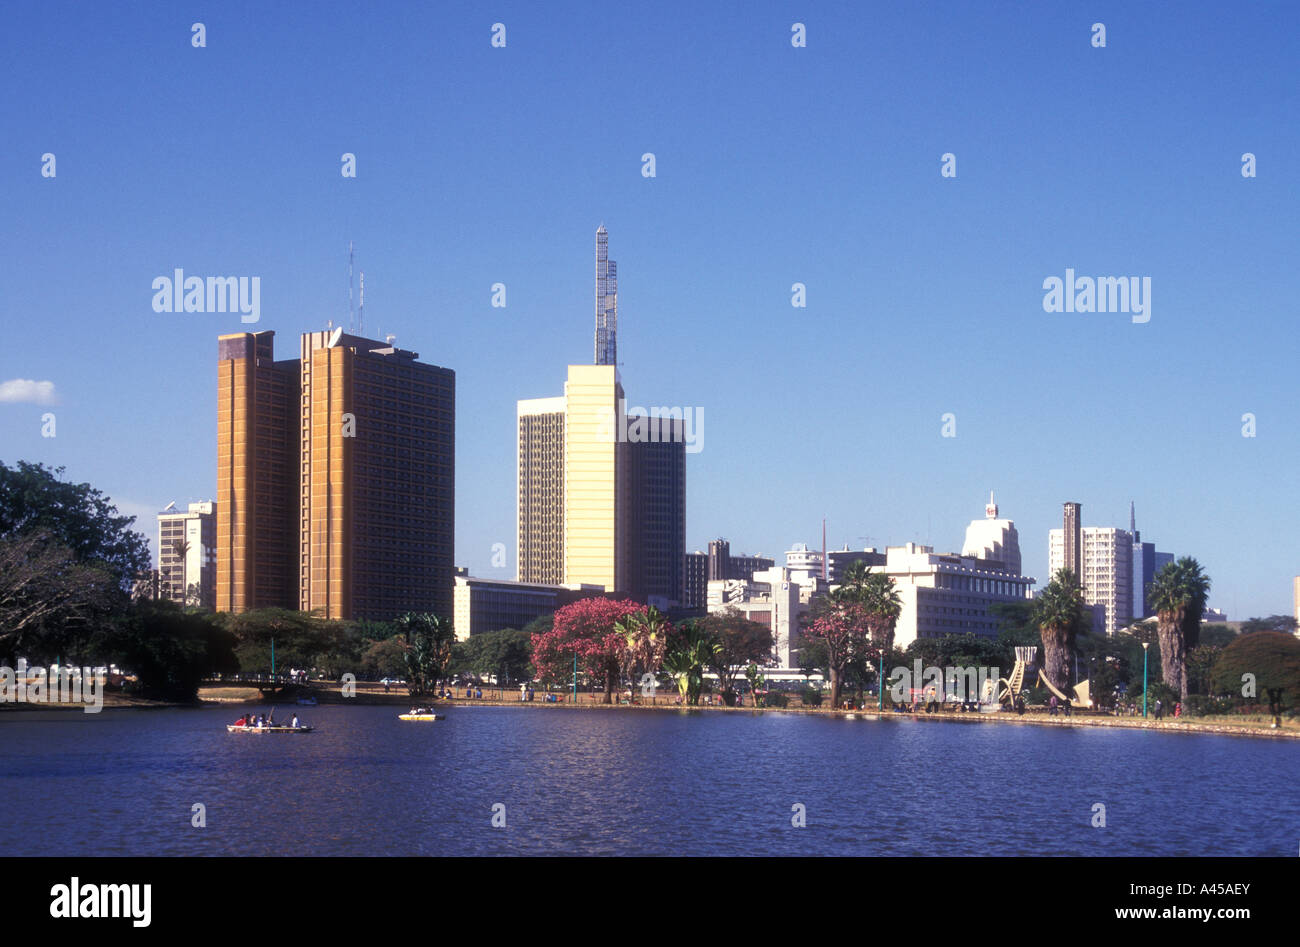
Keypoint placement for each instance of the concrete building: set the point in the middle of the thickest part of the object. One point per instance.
(187, 555)
(948, 594)
(723, 564)
(838, 560)
(695, 579)
(335, 477)
(540, 523)
(800, 558)
(493, 604)
(777, 597)
(1105, 572)
(993, 538)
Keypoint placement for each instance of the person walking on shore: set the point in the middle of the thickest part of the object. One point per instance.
(1159, 708)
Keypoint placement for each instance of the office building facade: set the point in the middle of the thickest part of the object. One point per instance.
(601, 494)
(1105, 572)
(187, 555)
(336, 481)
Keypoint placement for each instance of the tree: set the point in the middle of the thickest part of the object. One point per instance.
(506, 655)
(429, 642)
(1059, 613)
(385, 658)
(845, 626)
(814, 658)
(48, 597)
(1283, 623)
(34, 499)
(1270, 660)
(294, 639)
(692, 649)
(756, 682)
(645, 639)
(169, 650)
(1178, 594)
(181, 549)
(878, 593)
(740, 641)
(585, 628)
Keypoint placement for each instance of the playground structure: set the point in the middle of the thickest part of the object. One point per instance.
(1013, 685)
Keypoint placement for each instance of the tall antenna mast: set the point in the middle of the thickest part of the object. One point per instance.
(352, 318)
(361, 310)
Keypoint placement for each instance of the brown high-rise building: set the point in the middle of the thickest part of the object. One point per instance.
(1074, 540)
(336, 482)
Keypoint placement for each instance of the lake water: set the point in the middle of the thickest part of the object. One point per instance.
(601, 782)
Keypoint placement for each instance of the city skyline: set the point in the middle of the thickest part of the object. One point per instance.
(924, 294)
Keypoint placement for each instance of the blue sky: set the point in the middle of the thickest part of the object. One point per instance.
(774, 165)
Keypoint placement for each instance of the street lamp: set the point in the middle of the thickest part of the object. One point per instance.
(1145, 645)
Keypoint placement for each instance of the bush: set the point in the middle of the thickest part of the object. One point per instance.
(811, 697)
(776, 700)
(1202, 705)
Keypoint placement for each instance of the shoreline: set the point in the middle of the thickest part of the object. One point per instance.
(365, 698)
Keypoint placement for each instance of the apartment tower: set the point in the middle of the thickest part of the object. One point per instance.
(336, 482)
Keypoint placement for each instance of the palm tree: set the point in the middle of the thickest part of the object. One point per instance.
(181, 548)
(879, 594)
(689, 654)
(1178, 594)
(855, 578)
(1058, 612)
(646, 634)
(430, 639)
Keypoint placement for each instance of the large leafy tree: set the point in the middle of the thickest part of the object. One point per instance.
(1178, 594)
(1270, 660)
(1283, 623)
(48, 597)
(506, 655)
(67, 561)
(169, 650)
(741, 641)
(33, 498)
(297, 639)
(1058, 613)
(587, 629)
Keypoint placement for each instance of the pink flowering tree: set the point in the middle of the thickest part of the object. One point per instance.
(845, 625)
(589, 629)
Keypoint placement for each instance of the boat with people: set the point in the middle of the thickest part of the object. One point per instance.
(421, 713)
(308, 701)
(265, 723)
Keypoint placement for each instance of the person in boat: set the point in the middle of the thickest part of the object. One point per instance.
(294, 723)
(242, 722)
